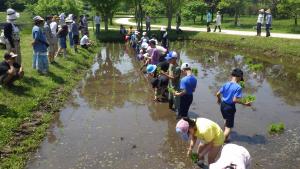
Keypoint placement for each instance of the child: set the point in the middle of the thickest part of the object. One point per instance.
(231, 94)
(85, 42)
(187, 88)
(62, 35)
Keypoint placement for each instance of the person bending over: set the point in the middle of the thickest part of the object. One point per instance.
(10, 70)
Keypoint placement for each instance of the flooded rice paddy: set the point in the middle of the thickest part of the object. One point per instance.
(111, 122)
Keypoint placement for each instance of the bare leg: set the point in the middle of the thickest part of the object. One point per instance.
(213, 152)
(227, 133)
(57, 53)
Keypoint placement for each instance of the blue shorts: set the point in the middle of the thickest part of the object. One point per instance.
(63, 42)
(228, 112)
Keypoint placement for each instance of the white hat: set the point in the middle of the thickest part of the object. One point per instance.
(144, 45)
(185, 66)
(163, 29)
(38, 18)
(144, 33)
(13, 55)
(68, 20)
(261, 10)
(12, 14)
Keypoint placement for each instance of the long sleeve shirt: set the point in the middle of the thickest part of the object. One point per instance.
(269, 19)
(260, 18)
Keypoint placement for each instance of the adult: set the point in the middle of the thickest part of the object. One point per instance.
(228, 95)
(260, 21)
(75, 33)
(148, 23)
(123, 32)
(49, 38)
(178, 22)
(54, 30)
(12, 34)
(208, 20)
(97, 20)
(62, 38)
(268, 22)
(233, 157)
(218, 21)
(209, 132)
(164, 38)
(153, 52)
(40, 45)
(10, 70)
(86, 24)
(173, 74)
(85, 42)
(144, 38)
(187, 88)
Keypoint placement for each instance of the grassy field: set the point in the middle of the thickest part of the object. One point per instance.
(27, 107)
(246, 23)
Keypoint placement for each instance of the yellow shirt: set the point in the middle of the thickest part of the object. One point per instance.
(209, 131)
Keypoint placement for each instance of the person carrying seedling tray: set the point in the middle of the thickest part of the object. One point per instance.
(174, 78)
(228, 95)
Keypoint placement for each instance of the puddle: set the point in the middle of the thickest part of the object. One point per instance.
(111, 121)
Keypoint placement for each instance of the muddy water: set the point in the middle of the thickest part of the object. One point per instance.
(112, 122)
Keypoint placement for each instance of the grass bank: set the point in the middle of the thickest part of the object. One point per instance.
(27, 108)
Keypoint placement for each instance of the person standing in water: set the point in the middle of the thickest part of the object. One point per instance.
(210, 134)
(268, 22)
(187, 88)
(228, 95)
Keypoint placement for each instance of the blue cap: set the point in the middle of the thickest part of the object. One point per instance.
(171, 55)
(151, 68)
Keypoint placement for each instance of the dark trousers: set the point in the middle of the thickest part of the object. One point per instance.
(148, 27)
(217, 27)
(208, 26)
(268, 26)
(258, 28)
(97, 28)
(184, 105)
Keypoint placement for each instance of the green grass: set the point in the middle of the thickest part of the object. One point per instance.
(248, 99)
(36, 93)
(246, 23)
(276, 128)
(194, 157)
(195, 71)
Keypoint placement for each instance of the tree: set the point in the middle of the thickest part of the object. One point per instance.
(106, 8)
(171, 7)
(291, 8)
(235, 5)
(153, 8)
(192, 9)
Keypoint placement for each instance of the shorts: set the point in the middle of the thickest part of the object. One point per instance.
(76, 39)
(219, 140)
(63, 42)
(228, 112)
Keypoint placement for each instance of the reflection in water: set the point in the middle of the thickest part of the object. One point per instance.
(112, 122)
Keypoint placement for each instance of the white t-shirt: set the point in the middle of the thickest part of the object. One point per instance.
(233, 154)
(97, 19)
(260, 18)
(84, 40)
(53, 27)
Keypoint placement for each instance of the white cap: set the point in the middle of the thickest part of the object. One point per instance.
(12, 14)
(144, 33)
(38, 18)
(144, 45)
(185, 66)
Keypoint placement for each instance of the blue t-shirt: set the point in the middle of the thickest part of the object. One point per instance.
(188, 83)
(40, 38)
(230, 90)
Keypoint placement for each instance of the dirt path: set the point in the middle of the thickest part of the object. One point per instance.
(125, 21)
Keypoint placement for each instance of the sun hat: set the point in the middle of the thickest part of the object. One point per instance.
(12, 14)
(182, 128)
(163, 29)
(151, 68)
(10, 55)
(185, 66)
(144, 33)
(68, 20)
(237, 73)
(144, 45)
(261, 10)
(38, 18)
(268, 11)
(171, 55)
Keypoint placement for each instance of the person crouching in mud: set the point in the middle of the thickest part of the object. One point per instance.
(210, 134)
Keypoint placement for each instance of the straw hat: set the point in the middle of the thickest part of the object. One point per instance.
(261, 10)
(268, 11)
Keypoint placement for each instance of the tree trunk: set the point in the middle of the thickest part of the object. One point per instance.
(111, 20)
(236, 17)
(106, 22)
(169, 13)
(202, 17)
(296, 20)
(194, 19)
